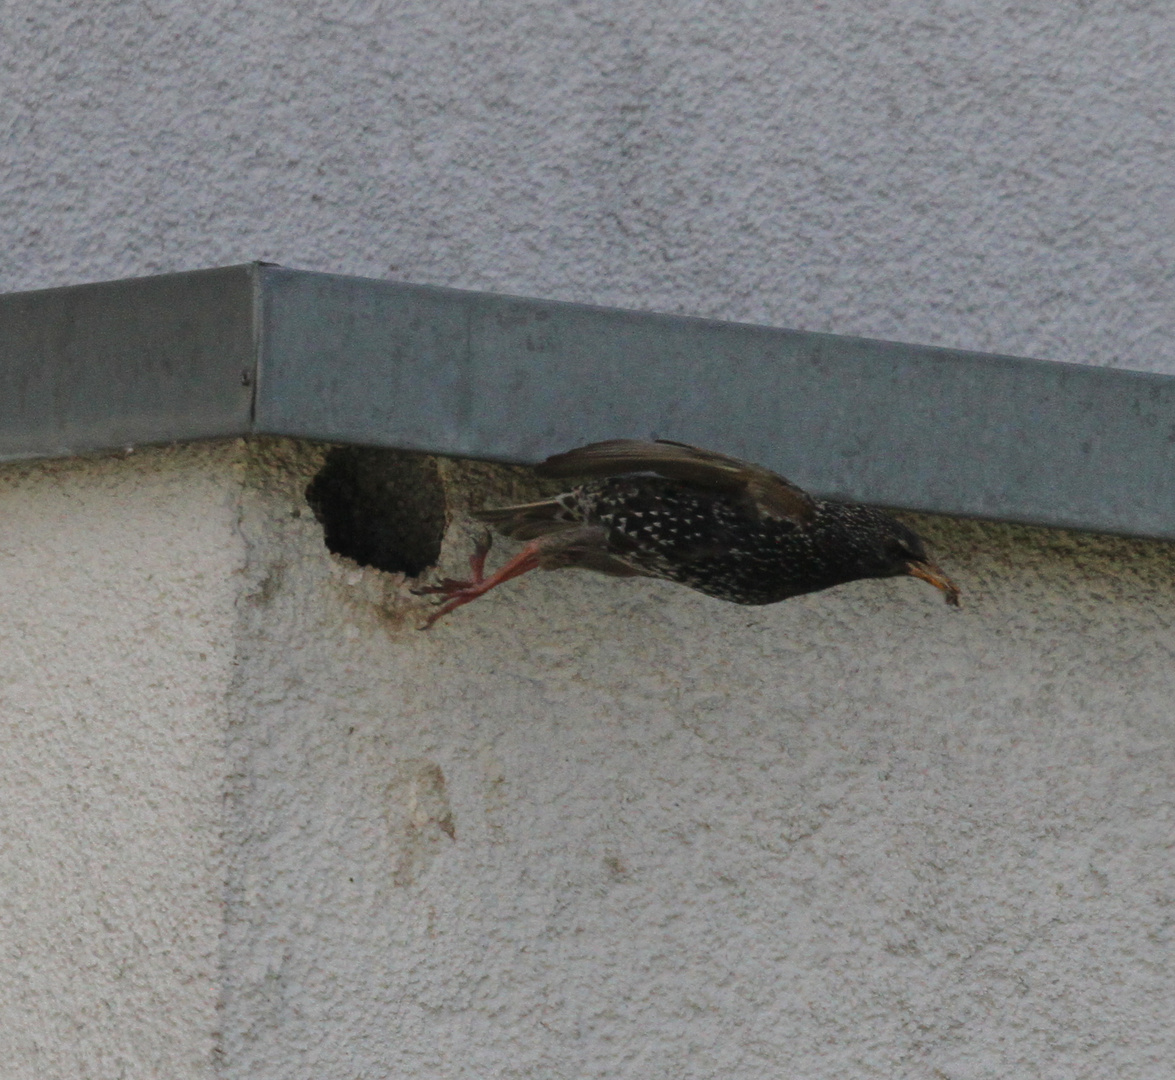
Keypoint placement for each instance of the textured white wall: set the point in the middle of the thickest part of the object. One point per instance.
(853, 835)
(979, 175)
(254, 824)
(118, 588)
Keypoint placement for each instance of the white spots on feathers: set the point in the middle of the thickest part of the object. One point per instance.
(708, 541)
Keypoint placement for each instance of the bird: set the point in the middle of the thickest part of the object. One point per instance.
(722, 526)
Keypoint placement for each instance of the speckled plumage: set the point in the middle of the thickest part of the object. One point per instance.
(722, 526)
(707, 541)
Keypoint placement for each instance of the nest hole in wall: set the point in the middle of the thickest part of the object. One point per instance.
(381, 508)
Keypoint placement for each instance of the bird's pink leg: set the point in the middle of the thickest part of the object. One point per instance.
(477, 568)
(477, 561)
(459, 593)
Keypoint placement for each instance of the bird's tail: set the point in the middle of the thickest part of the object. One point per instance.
(529, 520)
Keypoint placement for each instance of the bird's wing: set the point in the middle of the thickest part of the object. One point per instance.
(772, 495)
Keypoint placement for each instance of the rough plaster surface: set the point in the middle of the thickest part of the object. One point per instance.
(590, 828)
(986, 176)
(118, 587)
(587, 828)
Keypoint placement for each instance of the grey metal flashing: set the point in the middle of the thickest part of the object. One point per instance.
(420, 367)
(144, 360)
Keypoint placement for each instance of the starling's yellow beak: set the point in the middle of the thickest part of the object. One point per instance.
(928, 571)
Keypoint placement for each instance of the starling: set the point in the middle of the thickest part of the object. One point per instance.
(725, 527)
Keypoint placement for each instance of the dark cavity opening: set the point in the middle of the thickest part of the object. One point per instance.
(382, 508)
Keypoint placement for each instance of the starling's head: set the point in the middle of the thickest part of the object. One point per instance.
(893, 549)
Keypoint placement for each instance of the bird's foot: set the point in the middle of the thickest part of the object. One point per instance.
(477, 570)
(456, 593)
(445, 587)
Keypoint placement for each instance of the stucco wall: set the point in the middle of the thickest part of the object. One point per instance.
(118, 588)
(855, 835)
(589, 828)
(255, 824)
(985, 176)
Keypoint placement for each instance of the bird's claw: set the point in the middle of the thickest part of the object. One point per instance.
(454, 591)
(445, 587)
(453, 600)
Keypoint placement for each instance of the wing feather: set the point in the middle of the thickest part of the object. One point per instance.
(772, 495)
(528, 520)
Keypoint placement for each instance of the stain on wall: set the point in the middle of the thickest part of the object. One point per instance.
(419, 817)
